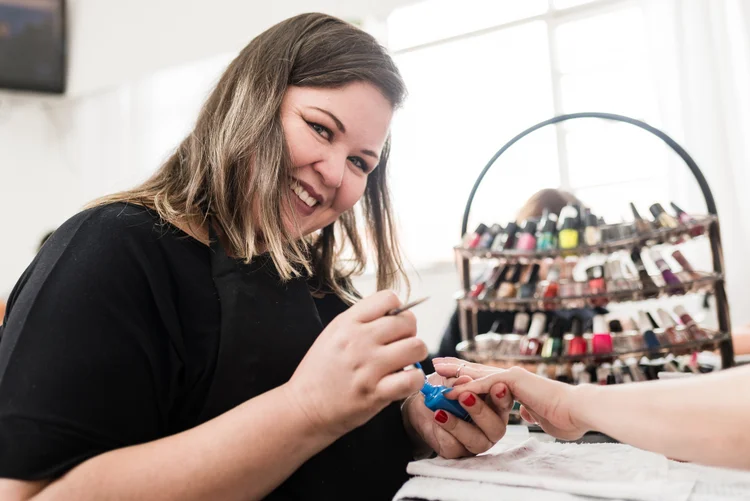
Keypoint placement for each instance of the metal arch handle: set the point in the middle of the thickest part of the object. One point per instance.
(710, 203)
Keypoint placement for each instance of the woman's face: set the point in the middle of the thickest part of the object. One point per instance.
(335, 138)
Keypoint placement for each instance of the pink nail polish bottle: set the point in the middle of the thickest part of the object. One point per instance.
(527, 238)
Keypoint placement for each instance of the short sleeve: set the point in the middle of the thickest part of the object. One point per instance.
(88, 360)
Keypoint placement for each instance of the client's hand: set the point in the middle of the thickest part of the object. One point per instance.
(551, 404)
(450, 436)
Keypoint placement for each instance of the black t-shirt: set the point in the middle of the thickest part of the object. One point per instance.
(110, 339)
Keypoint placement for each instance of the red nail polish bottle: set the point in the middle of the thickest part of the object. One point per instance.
(577, 345)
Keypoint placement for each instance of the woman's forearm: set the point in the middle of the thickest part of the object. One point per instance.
(702, 418)
(241, 455)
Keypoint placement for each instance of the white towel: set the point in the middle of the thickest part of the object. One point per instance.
(610, 471)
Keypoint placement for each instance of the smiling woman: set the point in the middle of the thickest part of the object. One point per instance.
(199, 325)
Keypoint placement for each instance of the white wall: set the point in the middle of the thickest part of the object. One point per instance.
(113, 41)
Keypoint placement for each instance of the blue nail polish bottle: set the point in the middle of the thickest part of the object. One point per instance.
(434, 399)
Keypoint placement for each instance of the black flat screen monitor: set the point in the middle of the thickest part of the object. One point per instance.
(33, 45)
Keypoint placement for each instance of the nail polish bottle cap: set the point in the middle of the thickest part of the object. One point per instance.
(655, 255)
(600, 325)
(529, 226)
(569, 211)
(615, 326)
(510, 235)
(592, 221)
(495, 229)
(676, 208)
(550, 225)
(534, 274)
(569, 223)
(651, 319)
(521, 322)
(665, 318)
(644, 324)
(557, 328)
(481, 229)
(516, 276)
(576, 326)
(538, 321)
(656, 210)
(680, 310)
(636, 257)
(636, 215)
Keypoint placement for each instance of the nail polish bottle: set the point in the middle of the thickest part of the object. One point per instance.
(521, 323)
(531, 345)
(567, 287)
(564, 373)
(603, 373)
(577, 345)
(489, 291)
(528, 289)
(480, 285)
(649, 338)
(552, 288)
(647, 283)
(485, 242)
(622, 342)
(662, 218)
(580, 375)
(617, 280)
(687, 269)
(695, 332)
(506, 239)
(527, 237)
(662, 335)
(568, 236)
(685, 219)
(554, 343)
(592, 235)
(601, 342)
(472, 240)
(674, 283)
(597, 285)
(635, 369)
(641, 225)
(508, 288)
(670, 327)
(547, 233)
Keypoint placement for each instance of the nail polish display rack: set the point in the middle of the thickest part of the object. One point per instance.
(484, 347)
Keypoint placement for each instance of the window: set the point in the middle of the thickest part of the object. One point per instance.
(480, 72)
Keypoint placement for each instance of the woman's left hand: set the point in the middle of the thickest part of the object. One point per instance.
(450, 436)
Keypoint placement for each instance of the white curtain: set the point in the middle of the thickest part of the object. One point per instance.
(700, 56)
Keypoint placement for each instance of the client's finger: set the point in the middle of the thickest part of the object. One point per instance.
(471, 437)
(484, 417)
(502, 400)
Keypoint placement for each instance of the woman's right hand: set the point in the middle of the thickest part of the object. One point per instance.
(353, 370)
(551, 404)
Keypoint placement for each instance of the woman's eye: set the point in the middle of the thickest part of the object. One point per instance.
(323, 131)
(359, 163)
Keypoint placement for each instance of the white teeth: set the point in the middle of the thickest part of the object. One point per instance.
(302, 194)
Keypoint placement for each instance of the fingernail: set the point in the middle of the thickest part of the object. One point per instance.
(501, 393)
(441, 417)
(470, 400)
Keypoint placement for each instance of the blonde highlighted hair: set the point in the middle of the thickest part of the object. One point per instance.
(234, 168)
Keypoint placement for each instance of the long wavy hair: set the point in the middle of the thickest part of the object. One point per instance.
(234, 168)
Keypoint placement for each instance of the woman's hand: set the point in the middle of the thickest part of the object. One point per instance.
(354, 368)
(450, 436)
(550, 404)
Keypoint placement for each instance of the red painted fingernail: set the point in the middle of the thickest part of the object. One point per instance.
(501, 393)
(470, 400)
(441, 417)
